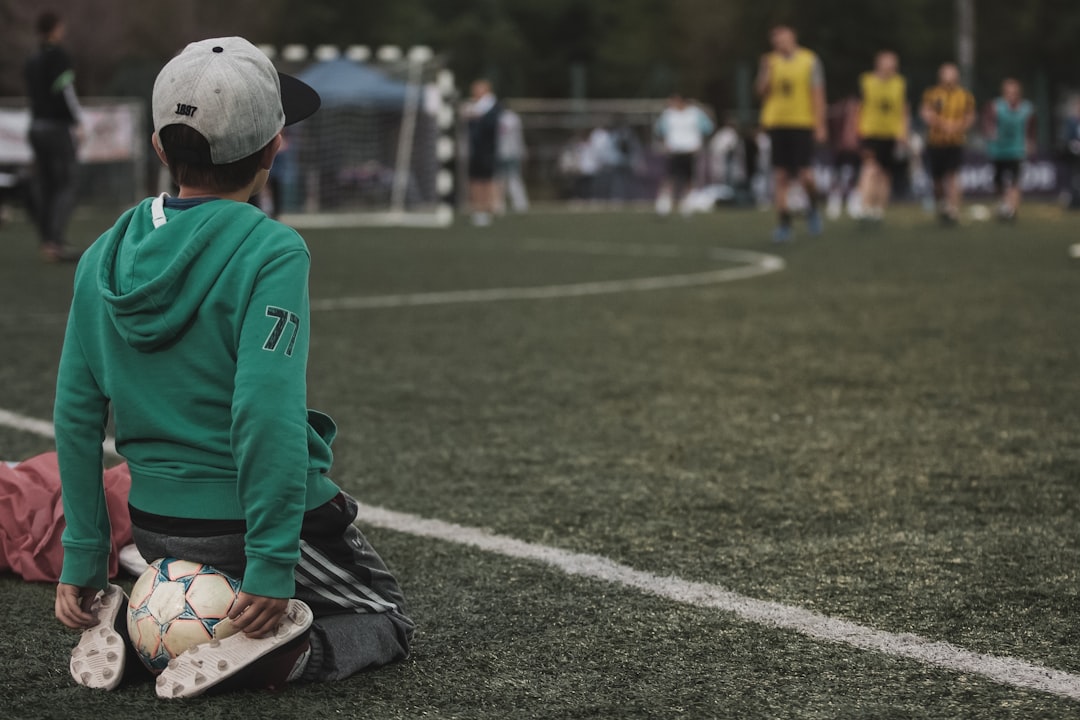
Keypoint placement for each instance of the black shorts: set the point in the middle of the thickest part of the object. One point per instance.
(792, 148)
(482, 166)
(1006, 174)
(680, 167)
(944, 159)
(883, 150)
(846, 158)
(338, 572)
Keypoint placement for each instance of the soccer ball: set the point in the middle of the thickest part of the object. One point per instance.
(177, 604)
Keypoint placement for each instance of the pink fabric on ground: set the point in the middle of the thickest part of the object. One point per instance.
(32, 517)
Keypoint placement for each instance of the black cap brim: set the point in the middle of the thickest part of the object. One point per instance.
(298, 99)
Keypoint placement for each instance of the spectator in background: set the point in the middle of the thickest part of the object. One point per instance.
(1070, 133)
(843, 117)
(568, 170)
(759, 160)
(627, 156)
(588, 165)
(511, 154)
(791, 81)
(602, 147)
(577, 166)
(883, 129)
(682, 128)
(727, 159)
(55, 116)
(733, 158)
(1010, 130)
(482, 113)
(948, 111)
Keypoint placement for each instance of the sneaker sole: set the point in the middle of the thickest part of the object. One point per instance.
(193, 672)
(98, 660)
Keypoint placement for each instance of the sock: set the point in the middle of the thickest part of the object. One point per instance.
(134, 670)
(301, 664)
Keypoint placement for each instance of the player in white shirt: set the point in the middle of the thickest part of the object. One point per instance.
(511, 153)
(682, 128)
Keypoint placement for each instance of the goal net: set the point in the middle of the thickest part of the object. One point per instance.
(379, 150)
(561, 163)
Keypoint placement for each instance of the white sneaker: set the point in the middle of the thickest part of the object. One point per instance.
(835, 208)
(98, 660)
(663, 205)
(855, 207)
(131, 560)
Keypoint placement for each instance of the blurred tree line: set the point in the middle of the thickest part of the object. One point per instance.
(615, 48)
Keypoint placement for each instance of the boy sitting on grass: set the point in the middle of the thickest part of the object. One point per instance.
(190, 319)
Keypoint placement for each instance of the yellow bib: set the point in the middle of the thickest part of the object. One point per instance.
(882, 114)
(789, 102)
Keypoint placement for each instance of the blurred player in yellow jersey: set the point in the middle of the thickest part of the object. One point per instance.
(791, 82)
(883, 124)
(948, 111)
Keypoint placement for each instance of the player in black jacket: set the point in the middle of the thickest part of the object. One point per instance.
(55, 115)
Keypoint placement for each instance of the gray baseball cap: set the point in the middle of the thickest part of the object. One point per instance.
(230, 92)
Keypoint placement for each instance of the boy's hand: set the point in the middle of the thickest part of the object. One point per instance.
(73, 606)
(256, 615)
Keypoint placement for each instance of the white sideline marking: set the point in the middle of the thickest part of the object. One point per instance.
(301, 221)
(42, 428)
(754, 264)
(1001, 669)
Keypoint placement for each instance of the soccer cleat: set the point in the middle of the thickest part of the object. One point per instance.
(814, 222)
(254, 660)
(99, 658)
(781, 235)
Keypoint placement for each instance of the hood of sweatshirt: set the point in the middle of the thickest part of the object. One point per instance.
(154, 279)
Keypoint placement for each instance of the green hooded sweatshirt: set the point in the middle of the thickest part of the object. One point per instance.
(193, 328)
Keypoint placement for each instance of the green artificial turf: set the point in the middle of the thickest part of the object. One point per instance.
(886, 432)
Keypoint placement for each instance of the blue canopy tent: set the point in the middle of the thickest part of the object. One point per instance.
(346, 83)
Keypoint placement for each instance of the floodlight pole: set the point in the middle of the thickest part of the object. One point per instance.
(965, 41)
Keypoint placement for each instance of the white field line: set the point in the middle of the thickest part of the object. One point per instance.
(1001, 669)
(42, 428)
(753, 264)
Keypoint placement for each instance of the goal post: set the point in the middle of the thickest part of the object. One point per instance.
(380, 150)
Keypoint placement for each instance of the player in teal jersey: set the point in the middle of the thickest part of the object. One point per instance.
(1010, 120)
